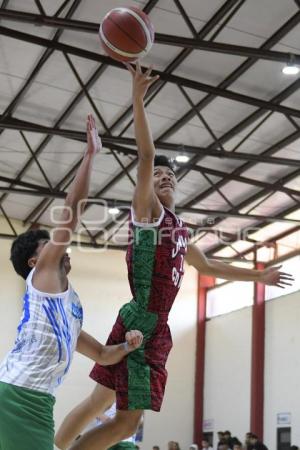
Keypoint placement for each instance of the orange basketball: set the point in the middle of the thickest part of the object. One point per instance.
(126, 34)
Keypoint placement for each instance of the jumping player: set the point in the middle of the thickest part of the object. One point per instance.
(50, 329)
(158, 245)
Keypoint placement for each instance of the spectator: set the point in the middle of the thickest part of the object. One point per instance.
(220, 438)
(237, 447)
(193, 447)
(172, 445)
(205, 445)
(228, 438)
(256, 444)
(235, 441)
(248, 445)
(223, 446)
(155, 447)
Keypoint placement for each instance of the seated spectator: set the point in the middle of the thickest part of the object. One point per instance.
(224, 446)
(237, 446)
(193, 447)
(205, 445)
(228, 438)
(172, 445)
(248, 445)
(235, 441)
(256, 444)
(220, 438)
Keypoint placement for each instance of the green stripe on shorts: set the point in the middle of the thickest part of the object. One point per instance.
(26, 419)
(124, 445)
(144, 251)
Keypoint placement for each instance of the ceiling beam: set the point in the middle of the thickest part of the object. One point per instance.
(120, 143)
(63, 116)
(47, 193)
(286, 28)
(193, 84)
(276, 186)
(223, 15)
(42, 60)
(251, 232)
(274, 148)
(160, 38)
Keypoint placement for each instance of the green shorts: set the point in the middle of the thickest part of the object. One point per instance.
(124, 445)
(26, 419)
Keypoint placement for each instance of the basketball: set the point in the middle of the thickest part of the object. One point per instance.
(126, 34)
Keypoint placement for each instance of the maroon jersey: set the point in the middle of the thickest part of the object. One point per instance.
(155, 260)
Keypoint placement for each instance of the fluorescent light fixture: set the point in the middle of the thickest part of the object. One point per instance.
(182, 158)
(113, 211)
(290, 69)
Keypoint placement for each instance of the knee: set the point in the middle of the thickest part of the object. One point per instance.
(129, 428)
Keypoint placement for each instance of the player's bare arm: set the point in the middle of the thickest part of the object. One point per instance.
(145, 202)
(270, 276)
(108, 354)
(48, 276)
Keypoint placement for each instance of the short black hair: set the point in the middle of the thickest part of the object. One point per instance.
(23, 248)
(162, 160)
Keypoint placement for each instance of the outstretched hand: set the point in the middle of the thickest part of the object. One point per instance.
(273, 277)
(94, 143)
(134, 339)
(141, 81)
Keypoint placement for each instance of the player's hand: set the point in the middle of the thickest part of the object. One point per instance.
(273, 277)
(141, 81)
(94, 143)
(134, 339)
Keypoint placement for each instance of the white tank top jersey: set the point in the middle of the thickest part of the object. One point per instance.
(46, 339)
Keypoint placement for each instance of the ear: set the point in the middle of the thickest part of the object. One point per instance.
(32, 261)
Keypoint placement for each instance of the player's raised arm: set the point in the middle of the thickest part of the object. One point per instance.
(50, 257)
(145, 202)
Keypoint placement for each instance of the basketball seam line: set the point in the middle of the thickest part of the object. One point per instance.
(116, 50)
(142, 21)
(129, 36)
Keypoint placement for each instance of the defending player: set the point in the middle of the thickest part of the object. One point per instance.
(50, 329)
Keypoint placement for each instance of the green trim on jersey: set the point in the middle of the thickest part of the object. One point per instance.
(136, 316)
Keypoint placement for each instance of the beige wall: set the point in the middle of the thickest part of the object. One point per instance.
(227, 372)
(282, 367)
(101, 282)
(10, 299)
(227, 369)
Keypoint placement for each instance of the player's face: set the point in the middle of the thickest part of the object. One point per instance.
(164, 182)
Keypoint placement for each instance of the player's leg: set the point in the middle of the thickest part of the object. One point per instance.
(121, 427)
(96, 403)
